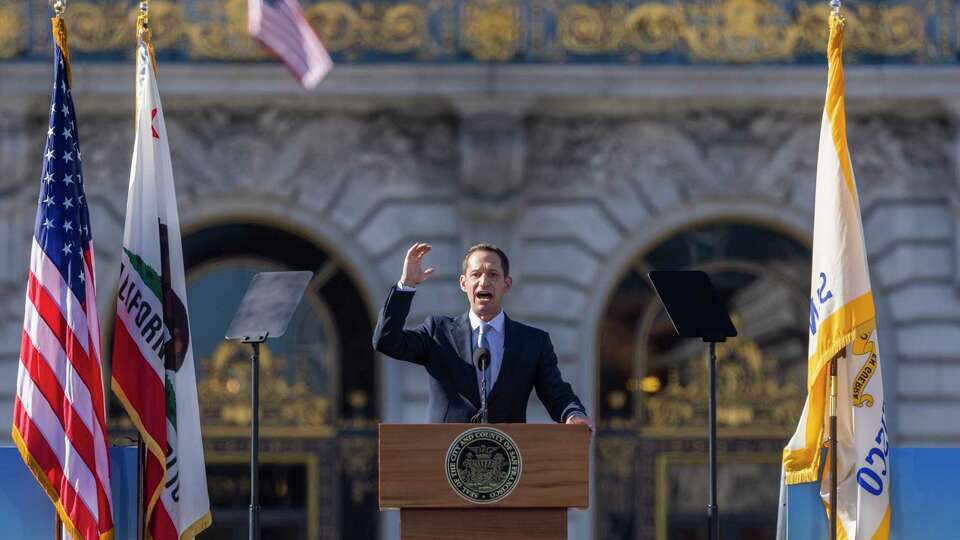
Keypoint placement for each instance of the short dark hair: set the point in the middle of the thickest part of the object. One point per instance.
(504, 261)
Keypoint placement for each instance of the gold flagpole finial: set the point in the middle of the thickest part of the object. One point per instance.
(143, 18)
(835, 6)
(59, 7)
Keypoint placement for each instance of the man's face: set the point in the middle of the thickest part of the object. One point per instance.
(484, 283)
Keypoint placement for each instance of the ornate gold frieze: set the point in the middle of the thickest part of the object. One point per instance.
(721, 31)
(735, 31)
(491, 28)
(751, 393)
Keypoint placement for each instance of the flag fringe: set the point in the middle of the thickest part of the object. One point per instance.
(199, 525)
(59, 28)
(148, 441)
(811, 454)
(835, 105)
(47, 488)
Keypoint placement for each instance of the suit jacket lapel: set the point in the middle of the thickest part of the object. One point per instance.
(511, 352)
(464, 371)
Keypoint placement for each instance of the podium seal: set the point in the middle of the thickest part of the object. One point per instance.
(483, 465)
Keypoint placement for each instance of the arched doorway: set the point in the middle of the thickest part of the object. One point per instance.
(318, 390)
(652, 391)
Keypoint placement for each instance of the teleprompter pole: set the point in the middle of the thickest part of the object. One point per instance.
(255, 442)
(713, 511)
(264, 312)
(697, 311)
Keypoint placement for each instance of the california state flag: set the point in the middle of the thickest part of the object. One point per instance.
(153, 370)
(842, 321)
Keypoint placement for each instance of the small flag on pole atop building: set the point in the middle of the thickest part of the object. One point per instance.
(843, 325)
(153, 367)
(58, 414)
(281, 26)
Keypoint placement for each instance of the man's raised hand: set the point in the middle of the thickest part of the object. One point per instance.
(413, 272)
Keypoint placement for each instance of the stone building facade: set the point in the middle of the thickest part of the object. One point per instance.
(587, 175)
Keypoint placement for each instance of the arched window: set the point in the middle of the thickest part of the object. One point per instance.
(317, 392)
(652, 386)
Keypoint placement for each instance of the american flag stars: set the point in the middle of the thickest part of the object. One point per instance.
(62, 229)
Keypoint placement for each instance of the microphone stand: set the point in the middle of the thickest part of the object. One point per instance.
(481, 357)
(483, 396)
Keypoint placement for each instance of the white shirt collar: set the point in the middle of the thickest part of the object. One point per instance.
(497, 322)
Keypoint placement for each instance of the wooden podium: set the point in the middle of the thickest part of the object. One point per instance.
(509, 481)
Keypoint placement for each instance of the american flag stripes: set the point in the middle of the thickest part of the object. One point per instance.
(59, 416)
(281, 26)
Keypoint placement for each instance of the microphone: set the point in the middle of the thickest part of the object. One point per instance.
(481, 359)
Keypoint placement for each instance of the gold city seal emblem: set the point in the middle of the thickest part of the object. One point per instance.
(483, 465)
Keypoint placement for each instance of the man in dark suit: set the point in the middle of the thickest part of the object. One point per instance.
(522, 357)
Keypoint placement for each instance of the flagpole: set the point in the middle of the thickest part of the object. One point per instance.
(59, 7)
(141, 463)
(835, 10)
(833, 447)
(142, 26)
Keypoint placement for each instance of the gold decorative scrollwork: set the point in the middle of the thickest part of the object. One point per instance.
(889, 30)
(653, 28)
(491, 29)
(220, 32)
(95, 27)
(749, 392)
(735, 31)
(404, 28)
(11, 30)
(397, 28)
(739, 31)
(285, 401)
(724, 31)
(584, 29)
(338, 24)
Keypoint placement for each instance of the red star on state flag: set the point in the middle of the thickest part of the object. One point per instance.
(153, 116)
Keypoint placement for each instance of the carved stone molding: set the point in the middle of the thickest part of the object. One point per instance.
(728, 153)
(279, 152)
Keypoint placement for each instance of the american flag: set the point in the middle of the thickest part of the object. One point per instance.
(281, 27)
(58, 418)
